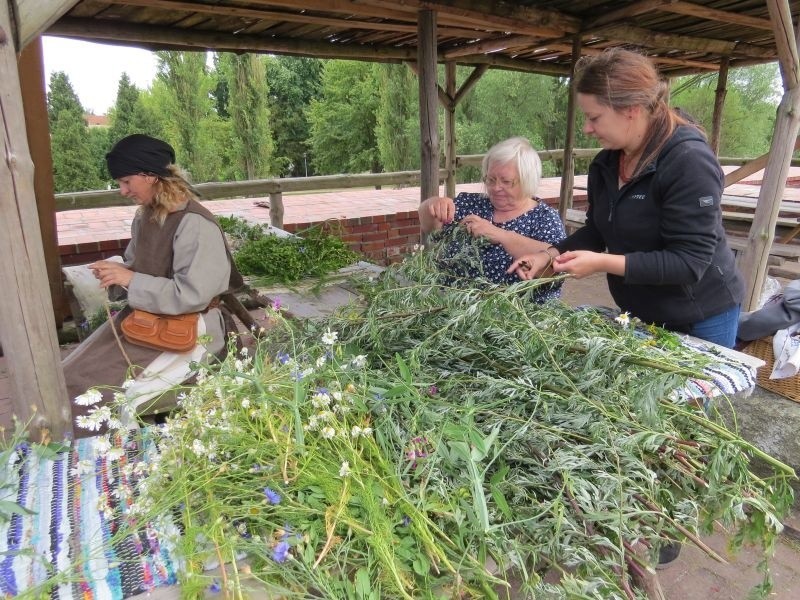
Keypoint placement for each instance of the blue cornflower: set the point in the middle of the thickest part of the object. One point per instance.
(283, 358)
(406, 521)
(280, 552)
(272, 496)
(215, 587)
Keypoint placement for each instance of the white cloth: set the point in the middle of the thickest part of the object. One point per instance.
(786, 349)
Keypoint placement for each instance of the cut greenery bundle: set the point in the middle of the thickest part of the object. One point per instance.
(284, 259)
(449, 443)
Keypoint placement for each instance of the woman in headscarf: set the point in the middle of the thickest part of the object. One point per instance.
(177, 262)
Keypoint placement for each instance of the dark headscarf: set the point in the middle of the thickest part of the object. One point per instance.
(139, 153)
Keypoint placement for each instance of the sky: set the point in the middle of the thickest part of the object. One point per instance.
(94, 69)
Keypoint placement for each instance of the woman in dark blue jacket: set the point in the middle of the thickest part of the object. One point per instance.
(654, 222)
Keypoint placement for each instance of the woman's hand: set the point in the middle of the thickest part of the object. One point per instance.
(110, 273)
(441, 208)
(531, 266)
(479, 227)
(582, 263)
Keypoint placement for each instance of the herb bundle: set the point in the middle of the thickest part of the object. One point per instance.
(450, 443)
(284, 259)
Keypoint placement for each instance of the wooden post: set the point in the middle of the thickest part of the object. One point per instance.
(34, 104)
(428, 105)
(719, 104)
(39, 395)
(450, 128)
(568, 164)
(753, 262)
(276, 209)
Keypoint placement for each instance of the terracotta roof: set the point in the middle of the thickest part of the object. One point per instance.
(96, 120)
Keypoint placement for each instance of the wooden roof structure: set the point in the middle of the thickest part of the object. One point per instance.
(528, 35)
(537, 36)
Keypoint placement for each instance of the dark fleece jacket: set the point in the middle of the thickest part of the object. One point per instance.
(667, 222)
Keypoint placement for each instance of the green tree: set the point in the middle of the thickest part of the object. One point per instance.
(130, 115)
(189, 106)
(748, 115)
(397, 120)
(73, 167)
(343, 119)
(293, 84)
(247, 95)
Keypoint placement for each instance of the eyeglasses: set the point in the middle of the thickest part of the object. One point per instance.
(506, 184)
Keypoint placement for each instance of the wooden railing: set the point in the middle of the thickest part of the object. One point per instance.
(275, 188)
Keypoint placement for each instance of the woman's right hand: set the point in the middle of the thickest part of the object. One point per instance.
(530, 266)
(441, 208)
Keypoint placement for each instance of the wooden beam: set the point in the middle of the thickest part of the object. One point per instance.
(444, 99)
(753, 261)
(670, 41)
(493, 15)
(719, 104)
(33, 17)
(568, 164)
(470, 82)
(294, 17)
(28, 332)
(428, 106)
(450, 129)
(626, 12)
(781, 17)
(34, 105)
(661, 60)
(490, 45)
(190, 39)
(713, 14)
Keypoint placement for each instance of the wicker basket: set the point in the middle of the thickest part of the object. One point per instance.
(788, 387)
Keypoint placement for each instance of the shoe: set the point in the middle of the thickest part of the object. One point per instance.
(667, 554)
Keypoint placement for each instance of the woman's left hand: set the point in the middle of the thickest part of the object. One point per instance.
(579, 263)
(111, 273)
(478, 227)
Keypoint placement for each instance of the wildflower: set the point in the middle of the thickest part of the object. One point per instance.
(328, 432)
(276, 304)
(350, 388)
(344, 471)
(321, 399)
(215, 587)
(329, 337)
(102, 445)
(366, 431)
(355, 431)
(198, 447)
(321, 361)
(359, 361)
(89, 398)
(280, 552)
(406, 521)
(244, 352)
(283, 358)
(246, 403)
(433, 390)
(272, 496)
(624, 319)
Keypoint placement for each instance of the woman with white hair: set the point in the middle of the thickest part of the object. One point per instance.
(509, 215)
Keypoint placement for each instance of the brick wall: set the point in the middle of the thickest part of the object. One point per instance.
(80, 254)
(381, 239)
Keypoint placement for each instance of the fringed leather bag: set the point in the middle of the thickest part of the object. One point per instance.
(171, 333)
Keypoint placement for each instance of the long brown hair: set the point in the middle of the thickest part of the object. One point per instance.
(170, 193)
(622, 79)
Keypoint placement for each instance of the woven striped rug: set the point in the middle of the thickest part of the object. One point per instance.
(73, 525)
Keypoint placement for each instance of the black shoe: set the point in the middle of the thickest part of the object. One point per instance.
(668, 553)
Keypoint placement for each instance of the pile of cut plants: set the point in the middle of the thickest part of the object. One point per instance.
(269, 258)
(450, 442)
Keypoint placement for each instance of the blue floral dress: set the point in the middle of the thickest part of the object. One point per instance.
(540, 223)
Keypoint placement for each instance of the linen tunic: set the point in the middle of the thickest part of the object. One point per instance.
(539, 223)
(201, 271)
